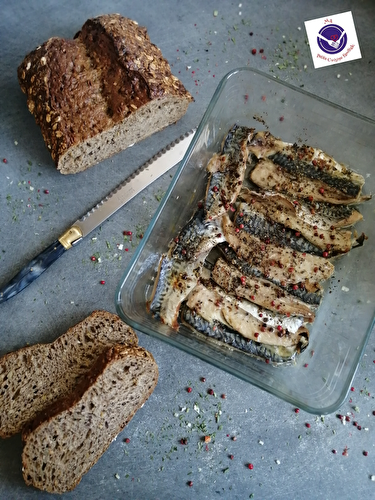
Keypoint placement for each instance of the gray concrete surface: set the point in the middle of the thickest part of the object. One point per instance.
(290, 460)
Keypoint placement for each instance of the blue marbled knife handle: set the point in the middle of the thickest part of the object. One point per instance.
(32, 271)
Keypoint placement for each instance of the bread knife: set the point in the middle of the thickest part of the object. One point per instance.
(158, 165)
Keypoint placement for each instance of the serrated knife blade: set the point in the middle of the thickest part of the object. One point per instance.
(154, 168)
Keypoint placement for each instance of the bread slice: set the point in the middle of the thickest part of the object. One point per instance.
(67, 439)
(101, 92)
(35, 376)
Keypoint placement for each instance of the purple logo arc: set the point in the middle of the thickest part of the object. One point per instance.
(332, 39)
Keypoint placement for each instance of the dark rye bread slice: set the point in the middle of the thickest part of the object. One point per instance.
(35, 376)
(67, 439)
(101, 92)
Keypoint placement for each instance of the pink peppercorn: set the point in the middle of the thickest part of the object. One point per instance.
(365, 453)
(5, 160)
(189, 389)
(210, 391)
(250, 466)
(308, 425)
(102, 282)
(254, 51)
(190, 483)
(46, 191)
(296, 410)
(127, 440)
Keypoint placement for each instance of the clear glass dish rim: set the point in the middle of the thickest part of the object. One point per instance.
(195, 352)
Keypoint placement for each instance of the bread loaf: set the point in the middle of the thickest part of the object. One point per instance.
(35, 376)
(67, 439)
(101, 92)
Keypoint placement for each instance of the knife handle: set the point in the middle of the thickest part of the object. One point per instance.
(32, 271)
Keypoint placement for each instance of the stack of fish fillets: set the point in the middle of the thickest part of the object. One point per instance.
(248, 267)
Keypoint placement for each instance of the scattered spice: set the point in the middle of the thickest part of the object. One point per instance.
(250, 466)
(189, 389)
(254, 51)
(102, 282)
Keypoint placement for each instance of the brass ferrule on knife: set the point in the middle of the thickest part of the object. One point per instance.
(70, 236)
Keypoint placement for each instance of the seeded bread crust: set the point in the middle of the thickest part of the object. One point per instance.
(35, 376)
(101, 92)
(69, 437)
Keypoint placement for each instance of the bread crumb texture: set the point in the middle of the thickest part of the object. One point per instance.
(67, 439)
(32, 377)
(100, 92)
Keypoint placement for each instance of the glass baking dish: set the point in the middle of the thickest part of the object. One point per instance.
(320, 379)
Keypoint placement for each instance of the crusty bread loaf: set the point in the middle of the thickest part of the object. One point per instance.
(101, 92)
(67, 439)
(35, 376)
